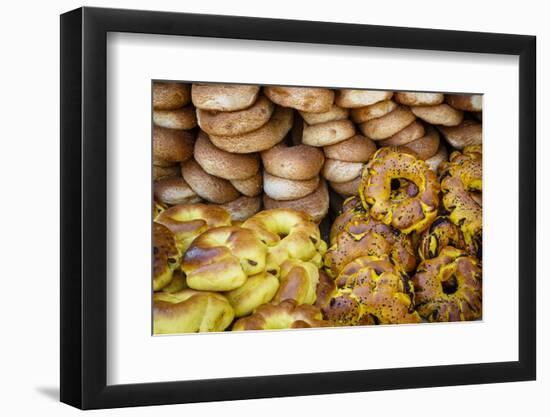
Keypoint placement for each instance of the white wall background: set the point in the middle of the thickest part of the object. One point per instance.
(29, 212)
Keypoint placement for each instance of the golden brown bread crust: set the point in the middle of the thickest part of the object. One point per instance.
(260, 139)
(209, 187)
(328, 133)
(301, 162)
(341, 171)
(371, 291)
(315, 204)
(467, 133)
(389, 124)
(178, 282)
(189, 311)
(223, 97)
(351, 98)
(163, 172)
(358, 148)
(249, 187)
(171, 145)
(325, 290)
(243, 207)
(412, 132)
(174, 190)
(298, 282)
(440, 114)
(426, 146)
(166, 257)
(285, 315)
(236, 122)
(334, 113)
(419, 99)
(348, 188)
(448, 287)
(289, 234)
(410, 206)
(222, 258)
(187, 221)
(170, 96)
(183, 118)
(223, 164)
(466, 102)
(284, 189)
(374, 111)
(257, 290)
(313, 100)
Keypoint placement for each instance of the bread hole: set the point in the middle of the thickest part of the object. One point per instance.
(450, 286)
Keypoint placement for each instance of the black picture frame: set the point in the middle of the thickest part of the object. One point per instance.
(84, 207)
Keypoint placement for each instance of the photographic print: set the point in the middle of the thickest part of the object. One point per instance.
(283, 207)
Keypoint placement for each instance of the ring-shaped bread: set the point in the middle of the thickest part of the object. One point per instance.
(406, 135)
(190, 311)
(170, 96)
(440, 114)
(301, 162)
(260, 139)
(187, 221)
(166, 256)
(298, 282)
(338, 171)
(355, 233)
(426, 146)
(257, 290)
(466, 102)
(374, 111)
(419, 99)
(441, 233)
(249, 187)
(183, 119)
(209, 187)
(174, 190)
(222, 258)
(223, 164)
(400, 190)
(348, 188)
(223, 97)
(467, 133)
(285, 315)
(358, 148)
(236, 122)
(284, 189)
(334, 113)
(448, 287)
(289, 234)
(350, 98)
(243, 207)
(315, 204)
(171, 145)
(313, 100)
(461, 181)
(389, 124)
(371, 291)
(328, 133)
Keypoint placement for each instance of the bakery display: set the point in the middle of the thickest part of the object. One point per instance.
(281, 207)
